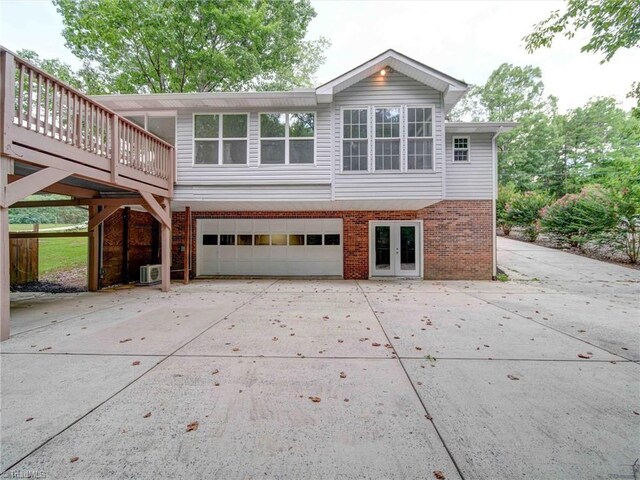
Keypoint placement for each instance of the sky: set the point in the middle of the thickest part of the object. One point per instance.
(466, 39)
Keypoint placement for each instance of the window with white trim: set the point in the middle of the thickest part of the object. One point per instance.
(355, 139)
(460, 149)
(387, 138)
(419, 138)
(220, 139)
(287, 138)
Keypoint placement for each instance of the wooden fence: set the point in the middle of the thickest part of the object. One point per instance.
(24, 256)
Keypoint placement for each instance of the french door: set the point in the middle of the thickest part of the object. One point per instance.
(395, 248)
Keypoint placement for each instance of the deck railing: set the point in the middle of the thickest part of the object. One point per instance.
(47, 111)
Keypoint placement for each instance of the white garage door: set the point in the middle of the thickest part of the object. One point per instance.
(229, 246)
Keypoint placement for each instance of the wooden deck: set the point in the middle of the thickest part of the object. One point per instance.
(51, 135)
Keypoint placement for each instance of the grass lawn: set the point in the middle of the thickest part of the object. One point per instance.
(62, 254)
(57, 254)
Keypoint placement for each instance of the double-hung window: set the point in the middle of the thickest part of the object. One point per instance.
(355, 139)
(387, 138)
(220, 139)
(460, 149)
(419, 138)
(287, 138)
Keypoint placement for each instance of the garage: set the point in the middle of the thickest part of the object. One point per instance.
(269, 247)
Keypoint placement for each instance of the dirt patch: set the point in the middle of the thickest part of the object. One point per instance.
(64, 281)
(598, 252)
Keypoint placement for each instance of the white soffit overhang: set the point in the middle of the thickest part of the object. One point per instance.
(479, 127)
(195, 101)
(301, 206)
(451, 88)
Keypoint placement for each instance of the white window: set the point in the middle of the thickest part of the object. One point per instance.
(460, 149)
(287, 138)
(419, 138)
(355, 139)
(387, 138)
(220, 139)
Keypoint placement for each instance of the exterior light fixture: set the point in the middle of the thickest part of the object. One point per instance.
(383, 72)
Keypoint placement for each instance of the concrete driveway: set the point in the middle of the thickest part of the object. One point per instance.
(477, 380)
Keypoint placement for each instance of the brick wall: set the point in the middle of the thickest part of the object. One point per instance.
(457, 237)
(458, 240)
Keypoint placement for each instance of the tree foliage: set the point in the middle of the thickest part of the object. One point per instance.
(158, 46)
(614, 24)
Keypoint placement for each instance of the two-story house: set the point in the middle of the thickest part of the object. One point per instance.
(361, 177)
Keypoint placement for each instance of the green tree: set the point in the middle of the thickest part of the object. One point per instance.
(614, 24)
(162, 46)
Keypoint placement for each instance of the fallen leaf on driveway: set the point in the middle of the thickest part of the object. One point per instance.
(43, 349)
(375, 344)
(418, 348)
(74, 459)
(439, 475)
(584, 355)
(636, 412)
(192, 427)
(136, 362)
(146, 415)
(275, 339)
(315, 399)
(343, 375)
(215, 372)
(235, 349)
(125, 340)
(512, 377)
(31, 418)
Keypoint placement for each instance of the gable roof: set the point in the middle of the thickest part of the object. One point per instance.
(452, 88)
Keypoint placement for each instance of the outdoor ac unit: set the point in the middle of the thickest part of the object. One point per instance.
(150, 274)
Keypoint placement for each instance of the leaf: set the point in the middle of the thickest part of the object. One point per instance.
(146, 415)
(236, 349)
(74, 459)
(136, 362)
(375, 344)
(439, 475)
(29, 419)
(215, 372)
(125, 340)
(343, 375)
(418, 348)
(43, 349)
(584, 355)
(315, 399)
(512, 377)
(192, 427)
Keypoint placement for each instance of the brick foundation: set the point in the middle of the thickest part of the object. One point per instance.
(458, 238)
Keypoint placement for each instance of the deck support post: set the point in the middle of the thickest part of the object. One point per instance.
(94, 251)
(166, 249)
(5, 324)
(187, 243)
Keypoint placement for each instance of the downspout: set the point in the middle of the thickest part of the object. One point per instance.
(494, 181)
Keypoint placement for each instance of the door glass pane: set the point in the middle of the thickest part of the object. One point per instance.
(383, 248)
(407, 248)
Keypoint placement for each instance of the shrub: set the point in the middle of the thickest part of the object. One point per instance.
(506, 193)
(578, 218)
(524, 211)
(625, 235)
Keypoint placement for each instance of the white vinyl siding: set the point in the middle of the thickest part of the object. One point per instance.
(289, 182)
(393, 90)
(472, 179)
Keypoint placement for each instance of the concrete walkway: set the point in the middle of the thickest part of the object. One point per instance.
(473, 379)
